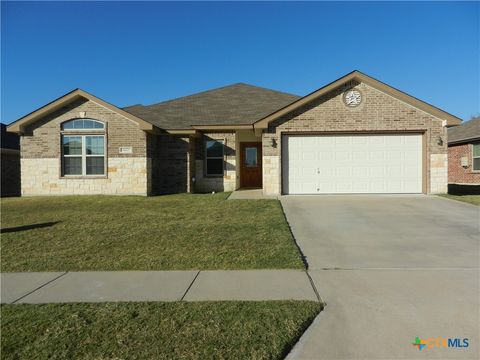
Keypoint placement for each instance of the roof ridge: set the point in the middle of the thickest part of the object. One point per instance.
(212, 90)
(268, 89)
(191, 95)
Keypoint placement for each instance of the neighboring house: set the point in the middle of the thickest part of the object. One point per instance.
(10, 163)
(354, 135)
(464, 157)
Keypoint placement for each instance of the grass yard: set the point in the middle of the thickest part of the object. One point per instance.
(180, 330)
(186, 231)
(471, 199)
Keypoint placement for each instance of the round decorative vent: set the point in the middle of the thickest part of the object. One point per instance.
(352, 98)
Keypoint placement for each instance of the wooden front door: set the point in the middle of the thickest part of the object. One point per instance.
(251, 165)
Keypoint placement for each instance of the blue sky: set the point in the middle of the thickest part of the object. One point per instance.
(128, 52)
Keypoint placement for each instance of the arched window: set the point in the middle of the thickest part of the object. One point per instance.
(83, 148)
(83, 124)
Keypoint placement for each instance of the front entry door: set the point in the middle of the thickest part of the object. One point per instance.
(251, 165)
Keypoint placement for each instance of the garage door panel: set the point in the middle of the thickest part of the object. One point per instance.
(360, 187)
(343, 156)
(360, 173)
(342, 141)
(377, 155)
(352, 164)
(395, 172)
(360, 156)
(342, 172)
(395, 155)
(308, 156)
(394, 186)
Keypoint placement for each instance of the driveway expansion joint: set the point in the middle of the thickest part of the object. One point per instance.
(189, 286)
(39, 287)
(315, 290)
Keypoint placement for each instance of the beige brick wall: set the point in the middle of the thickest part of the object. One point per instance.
(40, 152)
(42, 139)
(126, 176)
(378, 112)
(438, 173)
(228, 181)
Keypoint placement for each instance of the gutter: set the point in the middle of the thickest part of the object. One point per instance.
(463, 141)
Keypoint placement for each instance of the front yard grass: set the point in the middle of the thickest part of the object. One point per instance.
(181, 330)
(471, 199)
(186, 231)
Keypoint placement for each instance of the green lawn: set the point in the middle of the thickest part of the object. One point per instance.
(180, 330)
(187, 231)
(471, 199)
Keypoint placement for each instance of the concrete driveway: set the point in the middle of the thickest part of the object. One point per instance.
(390, 268)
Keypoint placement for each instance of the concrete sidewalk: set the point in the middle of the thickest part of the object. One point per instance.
(249, 194)
(99, 286)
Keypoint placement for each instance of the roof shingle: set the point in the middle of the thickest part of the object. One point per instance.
(469, 130)
(238, 104)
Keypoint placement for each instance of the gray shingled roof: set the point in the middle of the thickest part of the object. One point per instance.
(469, 130)
(230, 105)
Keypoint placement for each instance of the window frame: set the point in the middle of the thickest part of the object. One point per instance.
(475, 157)
(84, 155)
(83, 134)
(222, 141)
(102, 129)
(246, 157)
(63, 155)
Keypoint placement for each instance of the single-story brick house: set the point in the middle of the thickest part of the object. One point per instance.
(464, 157)
(354, 135)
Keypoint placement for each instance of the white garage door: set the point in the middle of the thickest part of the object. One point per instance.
(341, 164)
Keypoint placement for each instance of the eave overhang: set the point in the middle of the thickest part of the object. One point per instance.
(19, 125)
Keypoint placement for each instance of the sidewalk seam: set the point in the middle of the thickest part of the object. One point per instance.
(315, 290)
(38, 288)
(189, 286)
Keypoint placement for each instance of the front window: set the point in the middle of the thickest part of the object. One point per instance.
(251, 157)
(214, 158)
(476, 157)
(83, 124)
(83, 154)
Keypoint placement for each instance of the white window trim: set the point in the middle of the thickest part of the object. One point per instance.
(215, 157)
(474, 157)
(84, 156)
(84, 129)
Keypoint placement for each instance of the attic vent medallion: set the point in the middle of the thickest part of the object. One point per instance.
(352, 98)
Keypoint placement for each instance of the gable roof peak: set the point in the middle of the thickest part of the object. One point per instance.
(370, 81)
(19, 125)
(234, 104)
